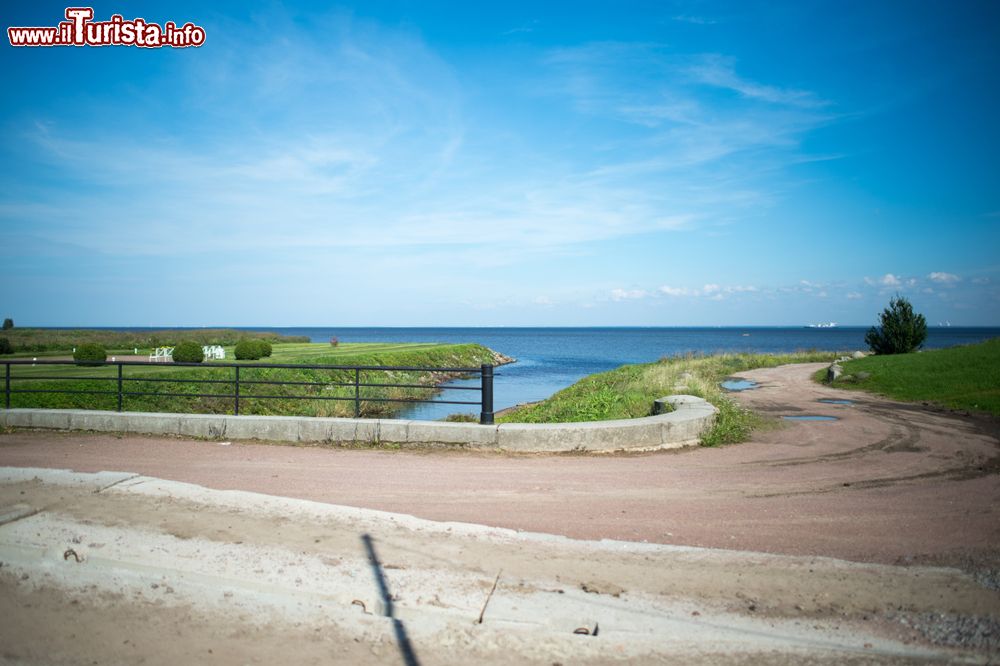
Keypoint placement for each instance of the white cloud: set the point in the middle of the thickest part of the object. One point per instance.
(980, 280)
(944, 278)
(890, 280)
(627, 294)
(854, 296)
(887, 280)
(713, 291)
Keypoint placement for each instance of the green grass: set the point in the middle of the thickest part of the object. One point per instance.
(629, 391)
(157, 379)
(966, 377)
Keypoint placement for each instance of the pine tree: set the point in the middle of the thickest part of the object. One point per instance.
(901, 330)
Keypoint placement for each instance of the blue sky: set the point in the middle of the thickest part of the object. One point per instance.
(418, 163)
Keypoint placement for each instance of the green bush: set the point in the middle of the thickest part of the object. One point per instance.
(90, 353)
(266, 349)
(189, 352)
(5, 346)
(251, 350)
(901, 330)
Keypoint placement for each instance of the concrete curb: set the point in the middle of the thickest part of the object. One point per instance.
(692, 416)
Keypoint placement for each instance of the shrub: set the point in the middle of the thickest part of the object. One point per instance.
(900, 331)
(90, 353)
(8, 323)
(188, 352)
(5, 346)
(334, 341)
(251, 350)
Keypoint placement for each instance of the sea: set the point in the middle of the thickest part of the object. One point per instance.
(550, 359)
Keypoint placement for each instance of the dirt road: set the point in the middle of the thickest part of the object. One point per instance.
(887, 482)
(883, 484)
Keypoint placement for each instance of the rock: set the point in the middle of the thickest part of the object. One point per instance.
(502, 359)
(862, 375)
(858, 354)
(833, 372)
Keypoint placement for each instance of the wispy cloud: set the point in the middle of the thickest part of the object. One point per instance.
(696, 20)
(627, 294)
(720, 71)
(943, 278)
(523, 28)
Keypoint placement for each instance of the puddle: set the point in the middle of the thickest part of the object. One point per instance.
(737, 384)
(834, 401)
(810, 417)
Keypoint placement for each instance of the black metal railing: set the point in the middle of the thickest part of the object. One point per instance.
(485, 388)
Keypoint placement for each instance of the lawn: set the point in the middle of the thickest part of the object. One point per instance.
(965, 377)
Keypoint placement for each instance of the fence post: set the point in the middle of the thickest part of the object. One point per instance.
(236, 393)
(357, 392)
(119, 386)
(7, 388)
(486, 416)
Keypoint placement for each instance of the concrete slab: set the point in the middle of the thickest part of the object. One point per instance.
(38, 418)
(99, 421)
(211, 426)
(443, 432)
(335, 430)
(64, 477)
(268, 428)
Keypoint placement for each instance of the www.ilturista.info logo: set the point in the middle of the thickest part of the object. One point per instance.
(79, 29)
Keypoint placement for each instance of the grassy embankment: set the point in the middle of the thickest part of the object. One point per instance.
(629, 392)
(966, 377)
(158, 379)
(51, 342)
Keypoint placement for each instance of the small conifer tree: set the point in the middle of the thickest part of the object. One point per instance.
(901, 330)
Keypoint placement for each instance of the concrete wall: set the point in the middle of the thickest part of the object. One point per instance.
(684, 426)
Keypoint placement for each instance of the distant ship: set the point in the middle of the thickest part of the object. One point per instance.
(829, 324)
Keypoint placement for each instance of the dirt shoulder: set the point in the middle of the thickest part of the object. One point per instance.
(116, 567)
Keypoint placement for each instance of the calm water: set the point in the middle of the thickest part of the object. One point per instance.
(550, 359)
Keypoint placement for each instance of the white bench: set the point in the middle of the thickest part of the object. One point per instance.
(162, 354)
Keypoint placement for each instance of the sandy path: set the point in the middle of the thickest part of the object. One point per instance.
(888, 482)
